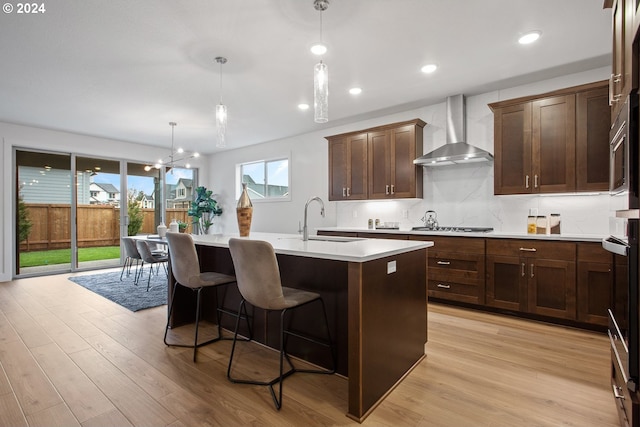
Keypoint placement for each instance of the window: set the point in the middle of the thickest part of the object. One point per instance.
(266, 180)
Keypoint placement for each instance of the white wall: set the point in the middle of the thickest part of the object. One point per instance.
(461, 195)
(16, 136)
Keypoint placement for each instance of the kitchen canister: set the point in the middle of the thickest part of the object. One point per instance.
(531, 224)
(541, 224)
(244, 212)
(554, 223)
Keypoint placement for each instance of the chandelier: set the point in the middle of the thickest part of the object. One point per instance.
(321, 75)
(176, 156)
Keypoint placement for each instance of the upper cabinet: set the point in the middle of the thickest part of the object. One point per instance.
(552, 143)
(625, 21)
(376, 163)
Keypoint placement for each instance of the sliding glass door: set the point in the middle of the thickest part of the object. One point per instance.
(97, 213)
(43, 215)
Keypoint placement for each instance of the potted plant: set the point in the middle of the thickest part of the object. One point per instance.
(182, 226)
(203, 209)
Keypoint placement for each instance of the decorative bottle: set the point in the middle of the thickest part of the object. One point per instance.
(244, 212)
(173, 226)
(162, 230)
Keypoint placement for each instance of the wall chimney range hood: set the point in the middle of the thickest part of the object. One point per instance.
(456, 150)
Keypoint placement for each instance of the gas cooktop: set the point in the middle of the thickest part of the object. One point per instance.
(460, 229)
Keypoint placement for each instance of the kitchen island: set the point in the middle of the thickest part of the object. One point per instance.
(375, 292)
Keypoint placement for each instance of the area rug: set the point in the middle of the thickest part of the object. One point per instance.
(125, 293)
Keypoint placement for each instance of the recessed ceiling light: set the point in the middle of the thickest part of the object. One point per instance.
(529, 37)
(319, 49)
(355, 91)
(429, 68)
(303, 106)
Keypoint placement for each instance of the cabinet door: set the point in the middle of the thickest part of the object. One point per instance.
(592, 140)
(348, 167)
(338, 169)
(512, 149)
(379, 165)
(404, 174)
(554, 144)
(506, 283)
(551, 287)
(357, 167)
(595, 292)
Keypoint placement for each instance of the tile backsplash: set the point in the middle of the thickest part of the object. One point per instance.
(462, 195)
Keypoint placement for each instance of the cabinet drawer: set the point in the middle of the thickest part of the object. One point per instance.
(465, 292)
(593, 252)
(532, 248)
(469, 245)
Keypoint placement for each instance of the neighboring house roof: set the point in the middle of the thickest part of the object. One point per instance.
(109, 188)
(186, 182)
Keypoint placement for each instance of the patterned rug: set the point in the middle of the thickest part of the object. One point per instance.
(125, 293)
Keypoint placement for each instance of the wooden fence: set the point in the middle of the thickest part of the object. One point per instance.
(97, 225)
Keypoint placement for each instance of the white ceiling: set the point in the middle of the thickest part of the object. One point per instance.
(123, 69)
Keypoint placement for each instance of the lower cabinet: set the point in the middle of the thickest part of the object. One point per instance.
(572, 281)
(456, 268)
(532, 276)
(595, 283)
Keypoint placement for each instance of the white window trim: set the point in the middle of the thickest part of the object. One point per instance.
(266, 160)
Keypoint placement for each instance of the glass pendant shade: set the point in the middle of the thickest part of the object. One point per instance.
(221, 124)
(321, 92)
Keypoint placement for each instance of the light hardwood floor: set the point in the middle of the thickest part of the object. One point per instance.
(69, 357)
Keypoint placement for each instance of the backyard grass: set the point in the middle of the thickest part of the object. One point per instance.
(63, 256)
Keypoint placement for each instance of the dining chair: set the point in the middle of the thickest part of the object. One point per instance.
(152, 259)
(259, 283)
(185, 267)
(131, 254)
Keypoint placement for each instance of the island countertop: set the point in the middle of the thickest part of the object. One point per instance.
(325, 247)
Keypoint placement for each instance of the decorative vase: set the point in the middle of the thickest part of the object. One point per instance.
(173, 226)
(244, 212)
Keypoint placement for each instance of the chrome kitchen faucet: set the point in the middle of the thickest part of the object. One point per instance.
(305, 230)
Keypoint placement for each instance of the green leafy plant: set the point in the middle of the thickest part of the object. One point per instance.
(204, 208)
(182, 226)
(136, 216)
(24, 223)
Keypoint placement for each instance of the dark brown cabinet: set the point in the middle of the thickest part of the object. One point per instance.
(595, 290)
(592, 140)
(620, 83)
(392, 173)
(348, 167)
(552, 143)
(532, 276)
(376, 163)
(456, 268)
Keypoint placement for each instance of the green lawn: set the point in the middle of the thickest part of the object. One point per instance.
(63, 256)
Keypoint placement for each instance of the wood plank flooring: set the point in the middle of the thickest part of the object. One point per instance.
(69, 357)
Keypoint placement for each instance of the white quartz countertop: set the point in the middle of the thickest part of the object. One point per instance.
(335, 248)
(490, 234)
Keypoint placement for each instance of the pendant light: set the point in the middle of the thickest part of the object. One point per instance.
(221, 111)
(321, 76)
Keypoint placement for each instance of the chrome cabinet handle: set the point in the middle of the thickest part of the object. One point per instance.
(386, 189)
(440, 285)
(532, 271)
(393, 189)
(444, 262)
(535, 181)
(344, 192)
(526, 182)
(348, 191)
(528, 249)
(523, 269)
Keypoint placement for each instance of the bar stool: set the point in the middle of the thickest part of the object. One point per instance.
(185, 266)
(259, 282)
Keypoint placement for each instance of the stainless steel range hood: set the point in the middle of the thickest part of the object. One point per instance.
(456, 150)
